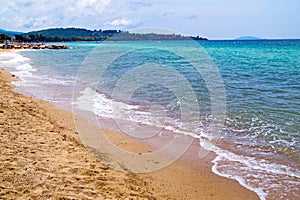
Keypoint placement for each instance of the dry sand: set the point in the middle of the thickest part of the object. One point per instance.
(42, 158)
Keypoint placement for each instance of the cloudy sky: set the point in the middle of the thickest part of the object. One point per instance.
(215, 19)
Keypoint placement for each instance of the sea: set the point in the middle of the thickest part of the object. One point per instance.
(251, 88)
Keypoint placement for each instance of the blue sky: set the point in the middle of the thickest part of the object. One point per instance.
(215, 19)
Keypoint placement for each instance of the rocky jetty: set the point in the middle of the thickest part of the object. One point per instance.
(33, 46)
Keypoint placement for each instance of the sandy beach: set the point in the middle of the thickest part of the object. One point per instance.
(42, 157)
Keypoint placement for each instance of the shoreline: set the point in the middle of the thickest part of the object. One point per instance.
(187, 178)
(42, 157)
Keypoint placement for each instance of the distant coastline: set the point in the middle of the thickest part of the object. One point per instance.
(249, 38)
(80, 34)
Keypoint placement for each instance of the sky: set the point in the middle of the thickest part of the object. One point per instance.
(214, 19)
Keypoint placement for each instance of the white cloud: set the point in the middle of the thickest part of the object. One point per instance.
(37, 22)
(3, 19)
(121, 22)
(27, 15)
(38, 14)
(89, 6)
(98, 5)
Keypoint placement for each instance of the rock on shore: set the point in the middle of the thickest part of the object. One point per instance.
(33, 46)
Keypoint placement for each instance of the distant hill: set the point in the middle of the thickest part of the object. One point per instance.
(10, 33)
(248, 38)
(80, 34)
(73, 32)
(66, 35)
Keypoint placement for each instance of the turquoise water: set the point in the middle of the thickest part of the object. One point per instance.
(262, 88)
(259, 143)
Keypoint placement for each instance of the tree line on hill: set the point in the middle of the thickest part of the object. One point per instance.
(4, 37)
(80, 34)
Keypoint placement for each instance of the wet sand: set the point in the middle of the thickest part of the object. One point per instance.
(42, 157)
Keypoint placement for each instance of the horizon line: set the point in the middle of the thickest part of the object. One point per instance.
(186, 35)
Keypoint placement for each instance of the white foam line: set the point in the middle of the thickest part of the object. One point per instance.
(259, 191)
(258, 165)
(249, 162)
(104, 107)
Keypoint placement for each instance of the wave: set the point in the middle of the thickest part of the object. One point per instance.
(256, 174)
(17, 64)
(151, 116)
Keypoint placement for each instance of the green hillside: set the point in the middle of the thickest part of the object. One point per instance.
(80, 34)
